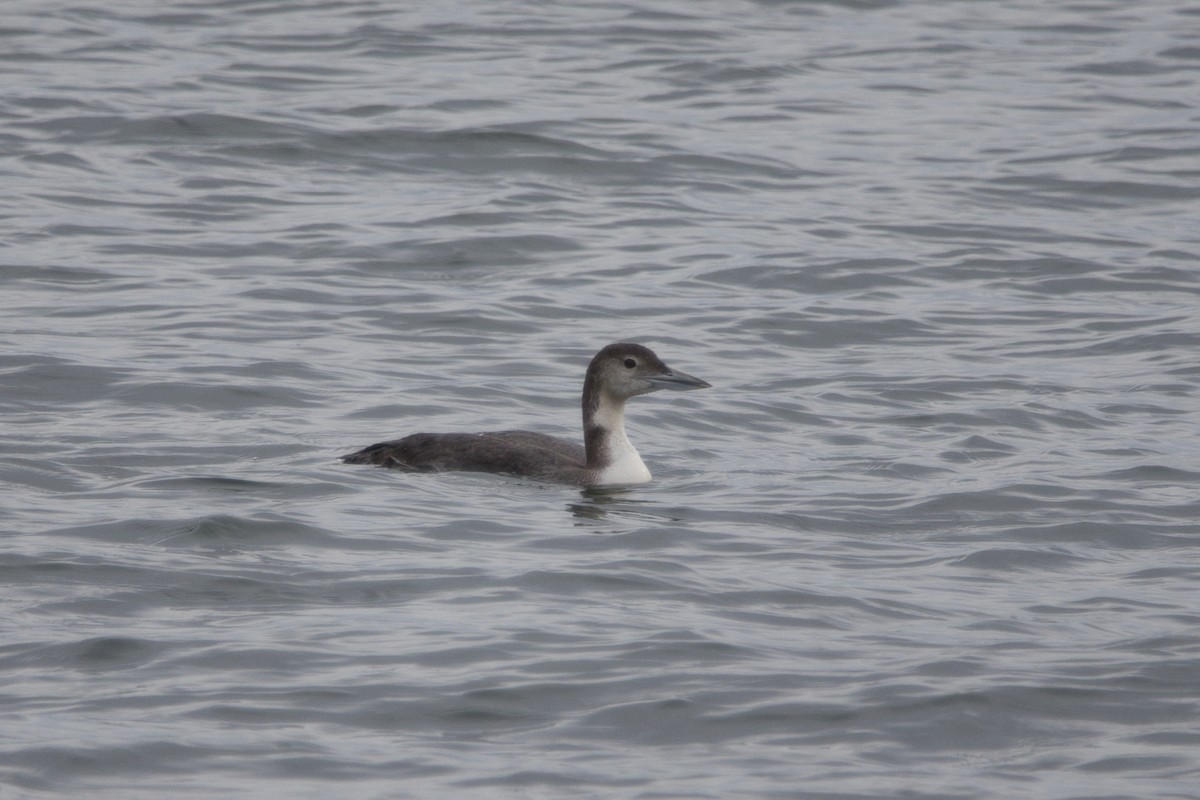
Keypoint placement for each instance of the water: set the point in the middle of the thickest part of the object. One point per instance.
(933, 533)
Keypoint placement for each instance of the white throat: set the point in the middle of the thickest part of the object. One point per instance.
(625, 465)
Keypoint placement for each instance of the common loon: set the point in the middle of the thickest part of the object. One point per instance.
(618, 372)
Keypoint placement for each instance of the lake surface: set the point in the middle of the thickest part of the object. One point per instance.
(933, 533)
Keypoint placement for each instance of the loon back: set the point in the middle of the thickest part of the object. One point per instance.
(515, 452)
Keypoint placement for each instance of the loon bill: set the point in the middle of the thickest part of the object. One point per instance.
(618, 372)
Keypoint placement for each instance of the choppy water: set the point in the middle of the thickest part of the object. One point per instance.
(934, 533)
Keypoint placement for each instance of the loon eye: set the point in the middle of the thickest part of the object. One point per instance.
(630, 363)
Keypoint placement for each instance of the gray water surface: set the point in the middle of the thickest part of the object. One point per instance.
(933, 533)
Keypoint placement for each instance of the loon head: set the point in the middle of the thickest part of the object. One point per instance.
(624, 370)
(617, 373)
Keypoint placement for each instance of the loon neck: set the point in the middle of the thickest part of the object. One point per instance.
(610, 454)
